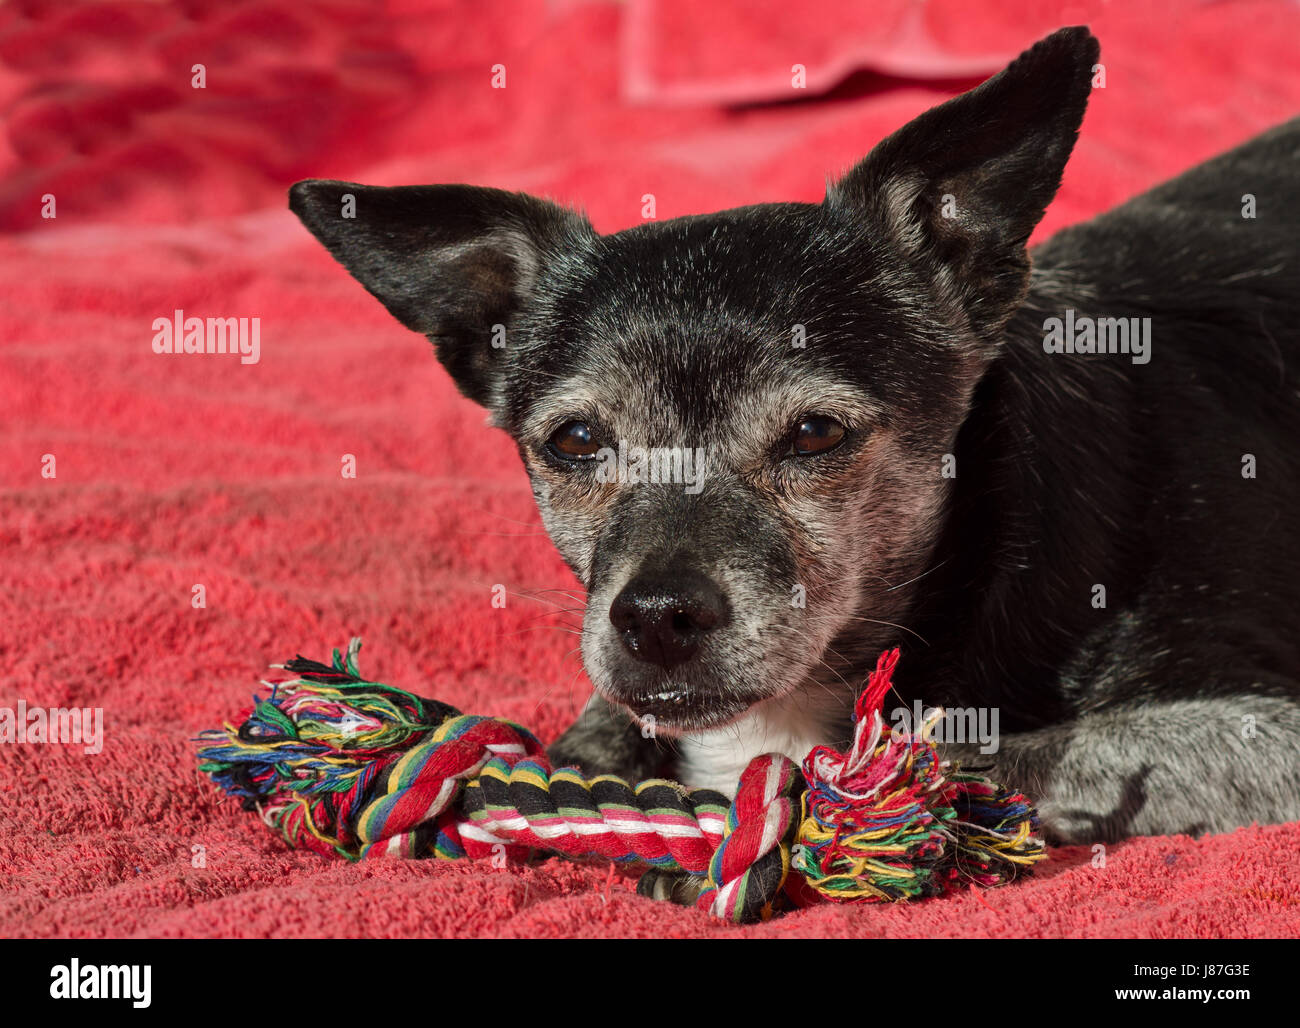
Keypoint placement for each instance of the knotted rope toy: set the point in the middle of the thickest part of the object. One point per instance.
(344, 766)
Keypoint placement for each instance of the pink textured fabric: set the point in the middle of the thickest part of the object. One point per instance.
(177, 471)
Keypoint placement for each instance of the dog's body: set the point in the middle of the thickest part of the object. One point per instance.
(1098, 549)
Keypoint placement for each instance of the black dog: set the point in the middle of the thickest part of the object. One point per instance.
(773, 441)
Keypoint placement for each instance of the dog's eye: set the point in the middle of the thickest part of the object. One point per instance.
(815, 434)
(573, 441)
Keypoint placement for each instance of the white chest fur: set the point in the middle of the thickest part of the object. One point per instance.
(790, 725)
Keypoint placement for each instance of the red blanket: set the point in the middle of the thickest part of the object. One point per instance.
(170, 524)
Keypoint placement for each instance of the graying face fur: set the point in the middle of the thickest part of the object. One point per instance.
(665, 341)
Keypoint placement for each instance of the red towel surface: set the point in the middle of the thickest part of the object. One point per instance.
(173, 472)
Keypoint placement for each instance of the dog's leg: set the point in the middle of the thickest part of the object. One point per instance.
(605, 740)
(1188, 766)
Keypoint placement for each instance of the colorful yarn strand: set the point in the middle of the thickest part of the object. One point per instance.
(889, 821)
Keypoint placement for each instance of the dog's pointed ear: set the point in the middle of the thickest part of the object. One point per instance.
(959, 189)
(451, 262)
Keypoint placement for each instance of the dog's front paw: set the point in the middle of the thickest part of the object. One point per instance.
(1063, 825)
(605, 741)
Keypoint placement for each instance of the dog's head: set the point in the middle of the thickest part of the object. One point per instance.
(735, 424)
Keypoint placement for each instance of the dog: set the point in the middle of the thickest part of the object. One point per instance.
(1065, 483)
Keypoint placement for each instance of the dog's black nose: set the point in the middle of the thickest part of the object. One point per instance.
(662, 618)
